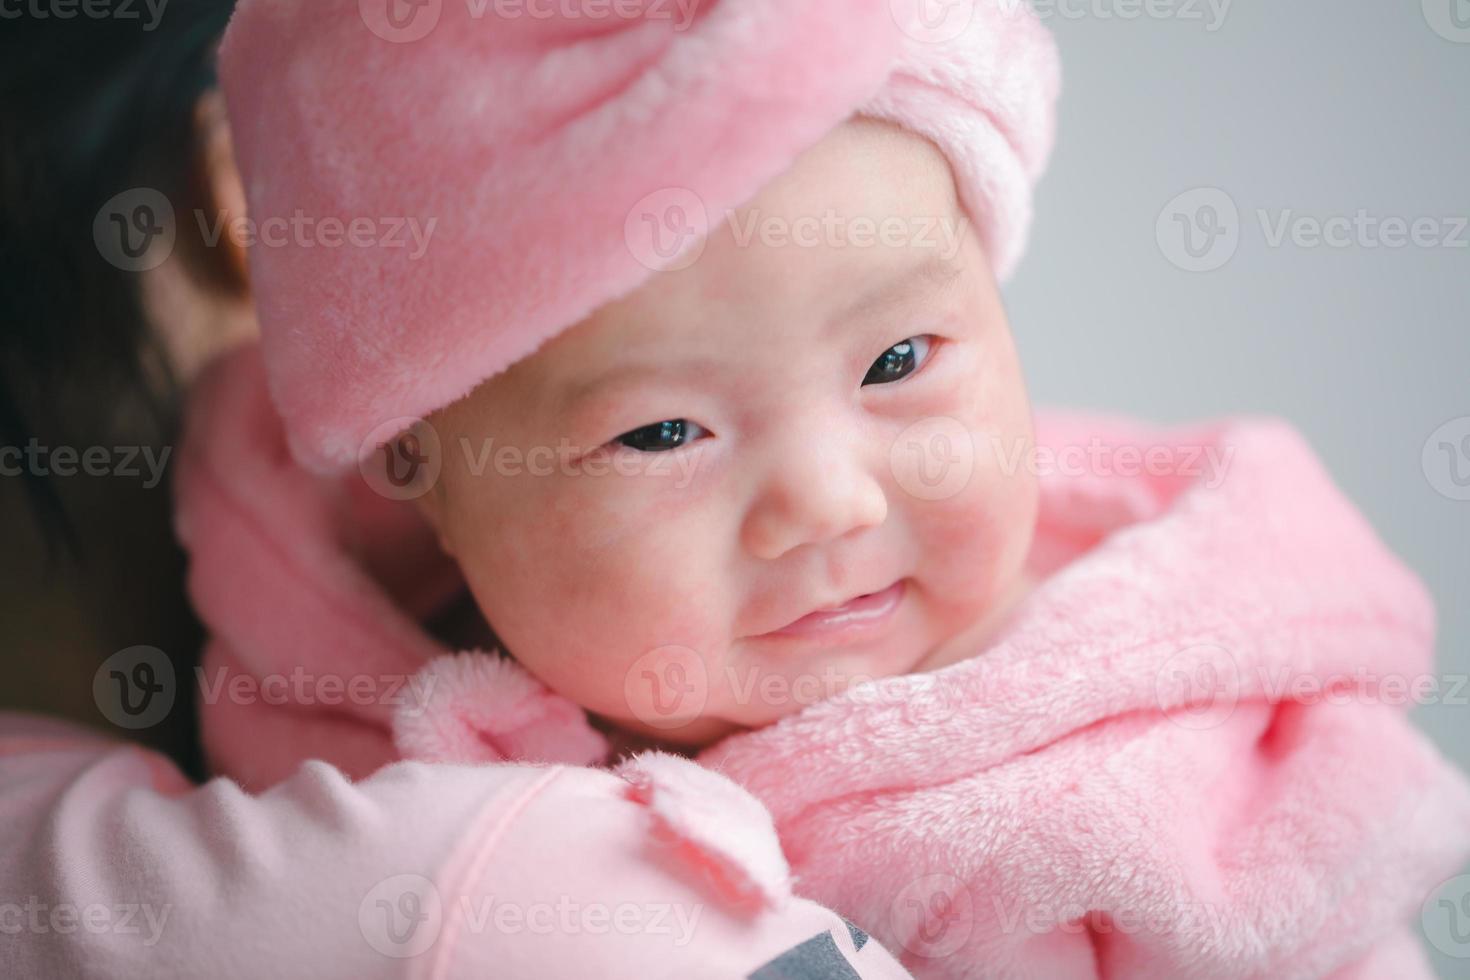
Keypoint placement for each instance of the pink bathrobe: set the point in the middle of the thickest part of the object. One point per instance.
(1186, 754)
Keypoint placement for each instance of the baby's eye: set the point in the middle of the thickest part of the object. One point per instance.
(660, 437)
(899, 361)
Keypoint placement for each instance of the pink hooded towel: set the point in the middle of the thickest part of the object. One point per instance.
(550, 157)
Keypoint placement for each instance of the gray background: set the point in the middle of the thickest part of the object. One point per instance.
(1320, 107)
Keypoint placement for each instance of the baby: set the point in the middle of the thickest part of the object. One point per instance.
(705, 388)
(739, 514)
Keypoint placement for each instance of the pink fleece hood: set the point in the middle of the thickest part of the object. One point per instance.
(490, 173)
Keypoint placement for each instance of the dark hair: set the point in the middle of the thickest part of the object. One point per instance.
(89, 107)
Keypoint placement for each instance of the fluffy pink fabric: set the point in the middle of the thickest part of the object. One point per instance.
(524, 150)
(1184, 757)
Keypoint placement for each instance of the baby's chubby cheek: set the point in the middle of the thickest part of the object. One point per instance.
(968, 497)
(976, 543)
(616, 604)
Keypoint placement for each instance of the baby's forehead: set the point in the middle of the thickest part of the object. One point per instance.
(764, 320)
(863, 169)
(869, 205)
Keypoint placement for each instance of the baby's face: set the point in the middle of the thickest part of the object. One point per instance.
(787, 423)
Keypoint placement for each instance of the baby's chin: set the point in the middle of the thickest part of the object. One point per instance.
(630, 735)
(690, 735)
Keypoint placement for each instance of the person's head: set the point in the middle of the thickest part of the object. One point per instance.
(94, 355)
(818, 407)
(94, 351)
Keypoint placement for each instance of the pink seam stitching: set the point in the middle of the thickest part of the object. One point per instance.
(440, 966)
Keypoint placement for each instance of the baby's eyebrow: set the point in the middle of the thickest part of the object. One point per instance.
(635, 374)
(935, 271)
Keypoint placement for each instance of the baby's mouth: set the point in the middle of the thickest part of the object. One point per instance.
(859, 615)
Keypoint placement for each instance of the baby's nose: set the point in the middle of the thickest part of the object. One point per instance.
(814, 493)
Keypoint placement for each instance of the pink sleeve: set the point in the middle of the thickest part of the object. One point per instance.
(113, 865)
